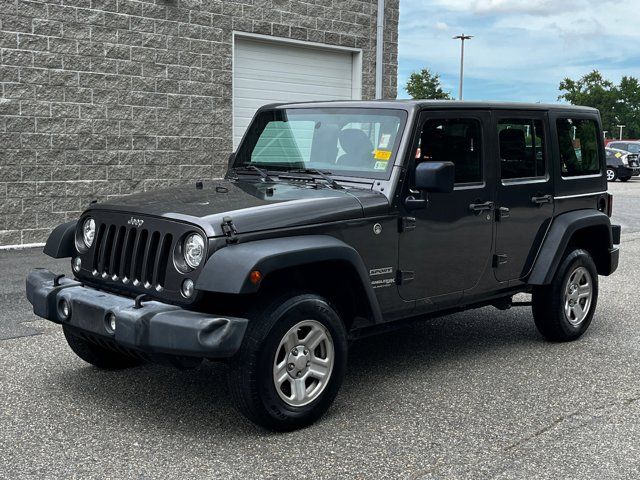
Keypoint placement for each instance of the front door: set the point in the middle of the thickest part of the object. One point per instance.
(524, 191)
(446, 246)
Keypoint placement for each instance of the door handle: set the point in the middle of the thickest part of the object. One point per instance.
(539, 201)
(481, 207)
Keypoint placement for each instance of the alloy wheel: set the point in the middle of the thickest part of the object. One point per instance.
(578, 296)
(303, 363)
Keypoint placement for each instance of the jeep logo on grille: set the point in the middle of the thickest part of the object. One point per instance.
(136, 222)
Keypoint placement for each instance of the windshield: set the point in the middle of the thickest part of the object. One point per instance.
(634, 148)
(344, 141)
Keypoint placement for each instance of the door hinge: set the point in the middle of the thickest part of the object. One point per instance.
(404, 276)
(499, 260)
(406, 224)
(502, 213)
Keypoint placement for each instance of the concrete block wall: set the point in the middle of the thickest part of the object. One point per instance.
(108, 97)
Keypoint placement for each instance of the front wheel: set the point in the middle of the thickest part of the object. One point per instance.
(291, 363)
(97, 355)
(564, 309)
(611, 175)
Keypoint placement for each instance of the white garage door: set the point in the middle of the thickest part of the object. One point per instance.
(270, 71)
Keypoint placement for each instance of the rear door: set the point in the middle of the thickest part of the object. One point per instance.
(524, 191)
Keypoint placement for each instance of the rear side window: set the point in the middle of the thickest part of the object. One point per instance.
(454, 140)
(579, 147)
(521, 149)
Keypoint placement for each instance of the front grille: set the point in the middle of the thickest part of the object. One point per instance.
(136, 255)
(633, 160)
(129, 254)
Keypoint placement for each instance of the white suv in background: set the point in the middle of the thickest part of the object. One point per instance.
(631, 146)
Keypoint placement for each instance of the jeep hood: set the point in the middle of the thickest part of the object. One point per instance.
(252, 205)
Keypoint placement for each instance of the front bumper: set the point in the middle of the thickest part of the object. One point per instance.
(624, 171)
(154, 328)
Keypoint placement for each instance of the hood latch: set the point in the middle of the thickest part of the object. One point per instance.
(229, 230)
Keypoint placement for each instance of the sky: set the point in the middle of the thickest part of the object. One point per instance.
(521, 49)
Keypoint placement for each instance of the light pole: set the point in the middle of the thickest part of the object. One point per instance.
(462, 38)
(621, 127)
(604, 133)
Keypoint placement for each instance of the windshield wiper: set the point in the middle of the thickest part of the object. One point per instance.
(253, 168)
(325, 176)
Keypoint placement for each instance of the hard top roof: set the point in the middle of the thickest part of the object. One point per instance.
(432, 104)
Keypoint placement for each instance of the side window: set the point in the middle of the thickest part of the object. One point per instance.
(454, 140)
(579, 148)
(522, 148)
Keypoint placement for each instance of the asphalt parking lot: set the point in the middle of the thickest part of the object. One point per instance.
(474, 395)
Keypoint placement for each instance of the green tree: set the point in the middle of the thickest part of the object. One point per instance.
(628, 108)
(618, 104)
(426, 85)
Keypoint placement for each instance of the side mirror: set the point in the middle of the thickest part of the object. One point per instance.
(435, 177)
(232, 158)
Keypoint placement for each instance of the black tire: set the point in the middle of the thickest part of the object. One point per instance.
(549, 300)
(625, 179)
(98, 356)
(611, 175)
(251, 378)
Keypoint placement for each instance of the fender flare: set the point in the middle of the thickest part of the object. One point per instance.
(227, 270)
(558, 238)
(61, 241)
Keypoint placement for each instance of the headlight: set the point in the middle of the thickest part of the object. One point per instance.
(193, 249)
(88, 231)
(625, 159)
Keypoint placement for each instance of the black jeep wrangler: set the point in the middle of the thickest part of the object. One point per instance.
(335, 220)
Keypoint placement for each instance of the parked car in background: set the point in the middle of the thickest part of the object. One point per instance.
(621, 165)
(631, 146)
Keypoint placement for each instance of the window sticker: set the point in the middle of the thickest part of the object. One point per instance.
(380, 166)
(384, 140)
(618, 154)
(384, 155)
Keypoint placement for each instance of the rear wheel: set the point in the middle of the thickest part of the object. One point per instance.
(564, 309)
(291, 363)
(96, 355)
(611, 175)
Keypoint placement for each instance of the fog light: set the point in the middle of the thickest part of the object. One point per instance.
(64, 309)
(187, 288)
(111, 322)
(77, 264)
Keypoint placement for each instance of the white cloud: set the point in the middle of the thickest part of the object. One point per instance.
(523, 7)
(521, 46)
(442, 26)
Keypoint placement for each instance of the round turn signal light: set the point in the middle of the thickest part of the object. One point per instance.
(255, 276)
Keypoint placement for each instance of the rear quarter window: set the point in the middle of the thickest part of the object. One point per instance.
(579, 147)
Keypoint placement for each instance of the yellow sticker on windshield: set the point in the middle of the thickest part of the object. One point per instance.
(383, 155)
(618, 155)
